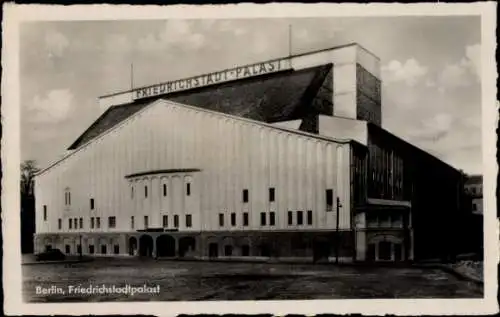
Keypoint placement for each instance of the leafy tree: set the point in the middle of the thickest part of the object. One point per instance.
(28, 171)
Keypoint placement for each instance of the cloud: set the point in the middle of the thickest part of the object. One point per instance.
(55, 43)
(473, 59)
(463, 73)
(52, 108)
(409, 72)
(118, 43)
(174, 33)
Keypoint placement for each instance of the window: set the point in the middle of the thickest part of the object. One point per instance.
(176, 221)
(188, 189)
(221, 220)
(271, 194)
(272, 218)
(70, 223)
(98, 222)
(329, 199)
(75, 223)
(309, 217)
(474, 207)
(132, 192)
(91, 249)
(59, 223)
(146, 222)
(290, 218)
(145, 191)
(299, 217)
(103, 249)
(233, 219)
(92, 222)
(81, 223)
(164, 189)
(228, 250)
(245, 219)
(69, 198)
(188, 221)
(116, 249)
(132, 224)
(262, 218)
(44, 212)
(165, 221)
(245, 195)
(112, 222)
(67, 249)
(92, 205)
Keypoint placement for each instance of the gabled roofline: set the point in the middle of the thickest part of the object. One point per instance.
(220, 114)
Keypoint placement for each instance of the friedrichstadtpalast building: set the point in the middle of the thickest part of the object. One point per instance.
(284, 159)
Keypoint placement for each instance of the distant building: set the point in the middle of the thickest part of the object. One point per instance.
(282, 159)
(474, 189)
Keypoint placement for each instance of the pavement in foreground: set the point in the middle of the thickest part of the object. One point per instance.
(189, 281)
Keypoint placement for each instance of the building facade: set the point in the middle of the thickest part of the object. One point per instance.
(474, 189)
(284, 159)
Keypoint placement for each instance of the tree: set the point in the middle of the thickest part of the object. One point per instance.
(28, 171)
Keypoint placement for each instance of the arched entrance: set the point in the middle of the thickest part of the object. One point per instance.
(165, 245)
(385, 248)
(146, 245)
(132, 246)
(186, 245)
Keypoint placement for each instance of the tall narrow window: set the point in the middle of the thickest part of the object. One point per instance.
(112, 222)
(92, 205)
(69, 198)
(300, 217)
(44, 212)
(98, 222)
(271, 194)
(290, 218)
(75, 223)
(189, 221)
(272, 218)
(146, 191)
(245, 195)
(262, 218)
(70, 223)
(91, 249)
(309, 217)
(164, 189)
(245, 219)
(233, 219)
(81, 223)
(176, 221)
(132, 192)
(165, 221)
(188, 189)
(92, 223)
(329, 199)
(103, 249)
(146, 222)
(132, 224)
(221, 220)
(59, 223)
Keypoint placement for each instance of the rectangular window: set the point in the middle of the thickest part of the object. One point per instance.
(165, 221)
(329, 199)
(271, 194)
(112, 222)
(92, 205)
(272, 218)
(91, 249)
(299, 217)
(164, 189)
(309, 217)
(145, 191)
(75, 223)
(262, 218)
(132, 192)
(59, 223)
(245, 195)
(81, 223)
(91, 222)
(290, 218)
(70, 223)
(221, 220)
(176, 221)
(98, 222)
(233, 219)
(132, 224)
(44, 212)
(65, 198)
(188, 189)
(116, 249)
(103, 249)
(188, 221)
(67, 249)
(69, 198)
(146, 222)
(245, 219)
(474, 207)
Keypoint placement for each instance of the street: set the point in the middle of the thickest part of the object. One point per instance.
(187, 281)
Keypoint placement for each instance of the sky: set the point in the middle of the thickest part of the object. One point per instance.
(431, 93)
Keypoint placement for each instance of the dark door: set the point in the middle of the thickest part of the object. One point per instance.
(321, 250)
(398, 252)
(213, 250)
(245, 250)
(384, 250)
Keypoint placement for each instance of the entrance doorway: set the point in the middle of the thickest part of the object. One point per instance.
(213, 250)
(186, 245)
(165, 246)
(321, 250)
(384, 251)
(146, 246)
(132, 246)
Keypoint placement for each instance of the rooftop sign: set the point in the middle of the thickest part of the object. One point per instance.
(213, 78)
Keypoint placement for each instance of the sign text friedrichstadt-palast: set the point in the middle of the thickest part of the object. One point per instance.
(213, 78)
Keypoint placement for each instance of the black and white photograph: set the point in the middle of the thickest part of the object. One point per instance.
(242, 156)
